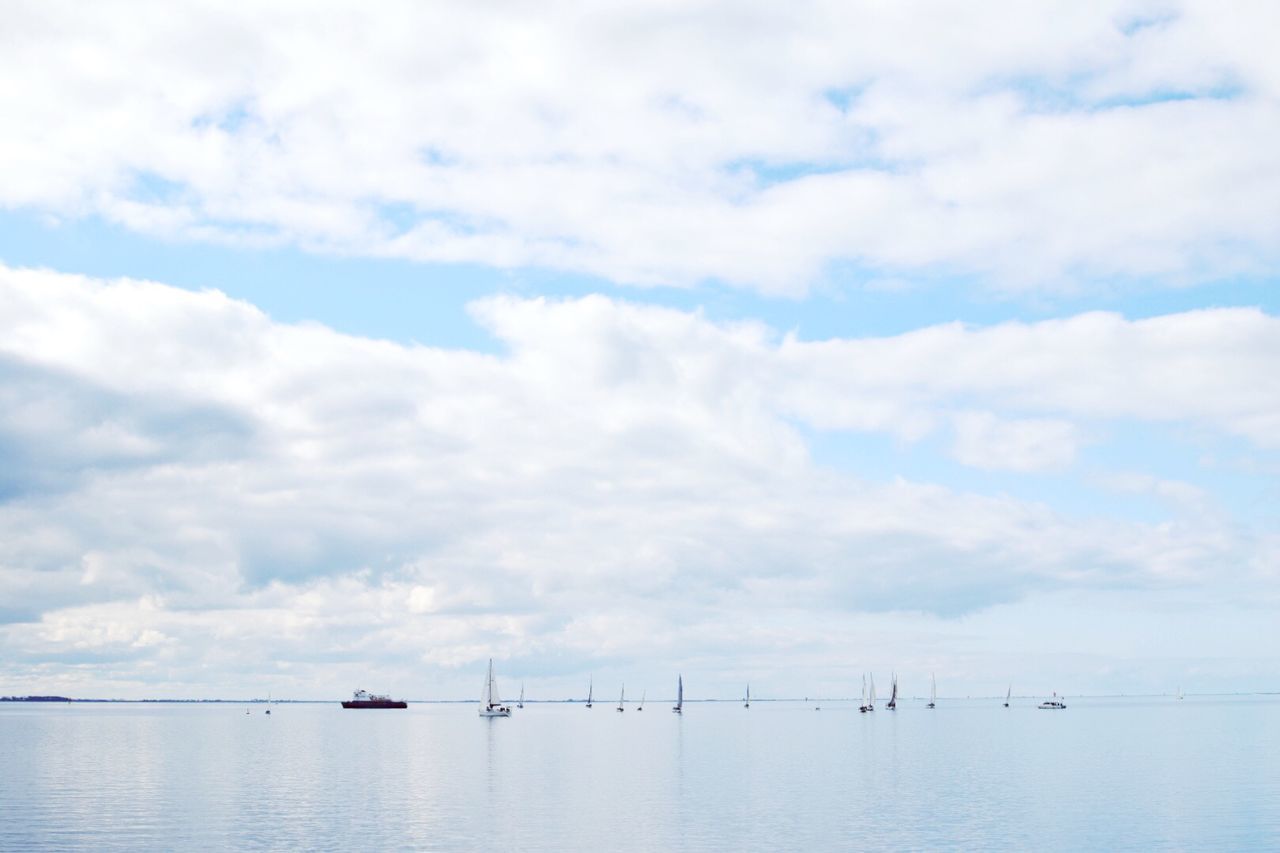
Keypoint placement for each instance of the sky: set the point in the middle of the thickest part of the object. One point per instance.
(759, 343)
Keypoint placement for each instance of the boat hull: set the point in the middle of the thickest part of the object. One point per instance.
(368, 704)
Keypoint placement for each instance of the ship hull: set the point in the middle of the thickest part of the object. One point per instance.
(364, 703)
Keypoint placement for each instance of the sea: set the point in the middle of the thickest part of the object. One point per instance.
(1153, 773)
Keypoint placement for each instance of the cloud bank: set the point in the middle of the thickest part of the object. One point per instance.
(187, 483)
(1038, 147)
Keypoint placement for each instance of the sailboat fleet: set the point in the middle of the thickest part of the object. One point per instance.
(491, 705)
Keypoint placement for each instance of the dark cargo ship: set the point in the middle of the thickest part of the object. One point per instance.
(365, 699)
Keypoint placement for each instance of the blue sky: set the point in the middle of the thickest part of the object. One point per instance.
(392, 357)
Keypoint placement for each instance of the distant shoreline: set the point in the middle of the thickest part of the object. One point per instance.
(68, 700)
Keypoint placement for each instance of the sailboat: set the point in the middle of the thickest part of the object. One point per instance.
(747, 702)
(679, 707)
(490, 704)
(622, 696)
(862, 705)
(520, 701)
(641, 706)
(1179, 694)
(871, 701)
(268, 703)
(933, 691)
(589, 686)
(1007, 695)
(893, 694)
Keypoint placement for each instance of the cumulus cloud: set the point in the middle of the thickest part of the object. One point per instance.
(667, 144)
(189, 481)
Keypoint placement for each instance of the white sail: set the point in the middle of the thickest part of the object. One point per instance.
(486, 694)
(520, 704)
(622, 697)
(590, 685)
(864, 689)
(933, 688)
(873, 690)
(679, 708)
(1008, 693)
(494, 699)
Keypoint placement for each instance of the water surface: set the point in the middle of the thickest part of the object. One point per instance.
(1135, 774)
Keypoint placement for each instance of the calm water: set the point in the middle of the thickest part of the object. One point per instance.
(1104, 774)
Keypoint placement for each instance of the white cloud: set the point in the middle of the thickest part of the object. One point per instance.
(186, 481)
(1027, 444)
(663, 144)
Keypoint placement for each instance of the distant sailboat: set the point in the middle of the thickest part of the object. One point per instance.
(862, 705)
(621, 697)
(1179, 694)
(1008, 694)
(933, 691)
(747, 702)
(589, 686)
(520, 701)
(893, 694)
(871, 700)
(268, 703)
(640, 707)
(490, 704)
(679, 707)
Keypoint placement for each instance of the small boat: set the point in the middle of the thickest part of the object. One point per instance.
(871, 697)
(933, 691)
(590, 685)
(365, 699)
(893, 695)
(1007, 695)
(490, 704)
(621, 697)
(268, 711)
(1054, 704)
(746, 703)
(679, 706)
(1179, 694)
(520, 701)
(640, 707)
